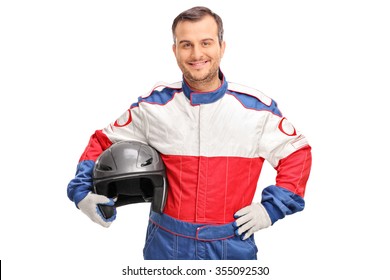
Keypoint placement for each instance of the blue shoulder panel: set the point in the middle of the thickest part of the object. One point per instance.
(160, 97)
(251, 102)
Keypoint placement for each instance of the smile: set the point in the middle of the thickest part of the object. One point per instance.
(198, 64)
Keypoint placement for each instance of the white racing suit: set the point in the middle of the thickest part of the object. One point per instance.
(213, 145)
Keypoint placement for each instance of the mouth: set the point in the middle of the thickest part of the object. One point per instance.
(198, 64)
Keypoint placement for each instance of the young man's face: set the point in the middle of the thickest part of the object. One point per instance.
(198, 52)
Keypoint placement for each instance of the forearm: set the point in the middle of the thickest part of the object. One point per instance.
(287, 196)
(81, 184)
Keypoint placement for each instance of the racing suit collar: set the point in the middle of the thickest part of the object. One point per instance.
(198, 98)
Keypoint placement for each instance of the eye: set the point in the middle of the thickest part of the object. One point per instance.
(186, 45)
(206, 43)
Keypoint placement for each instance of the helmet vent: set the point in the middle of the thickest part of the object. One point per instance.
(147, 162)
(104, 167)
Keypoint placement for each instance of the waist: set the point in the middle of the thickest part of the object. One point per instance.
(198, 231)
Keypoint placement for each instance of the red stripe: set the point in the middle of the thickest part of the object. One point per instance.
(210, 189)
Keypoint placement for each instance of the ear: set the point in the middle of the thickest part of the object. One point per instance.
(174, 49)
(223, 46)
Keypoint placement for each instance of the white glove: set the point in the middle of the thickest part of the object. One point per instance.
(89, 206)
(251, 219)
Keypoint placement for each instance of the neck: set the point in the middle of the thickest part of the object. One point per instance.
(204, 86)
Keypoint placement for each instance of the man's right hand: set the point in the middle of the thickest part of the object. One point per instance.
(90, 207)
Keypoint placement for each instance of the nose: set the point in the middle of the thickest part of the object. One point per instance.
(196, 52)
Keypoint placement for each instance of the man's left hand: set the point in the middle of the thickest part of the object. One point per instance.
(251, 219)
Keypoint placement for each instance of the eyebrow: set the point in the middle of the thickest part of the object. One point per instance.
(188, 41)
(184, 41)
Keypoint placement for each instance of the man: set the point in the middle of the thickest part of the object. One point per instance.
(213, 137)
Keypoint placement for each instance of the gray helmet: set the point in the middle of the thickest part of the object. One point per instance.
(133, 172)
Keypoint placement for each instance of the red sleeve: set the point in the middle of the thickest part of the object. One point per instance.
(97, 144)
(294, 170)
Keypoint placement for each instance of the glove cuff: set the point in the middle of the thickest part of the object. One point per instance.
(264, 216)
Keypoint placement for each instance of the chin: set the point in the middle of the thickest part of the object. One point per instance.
(201, 75)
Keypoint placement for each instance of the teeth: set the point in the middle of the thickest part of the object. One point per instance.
(198, 63)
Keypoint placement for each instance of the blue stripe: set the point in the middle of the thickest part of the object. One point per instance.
(254, 103)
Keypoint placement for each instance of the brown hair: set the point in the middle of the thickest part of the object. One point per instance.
(196, 14)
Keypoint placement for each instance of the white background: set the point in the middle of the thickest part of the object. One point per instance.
(68, 68)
